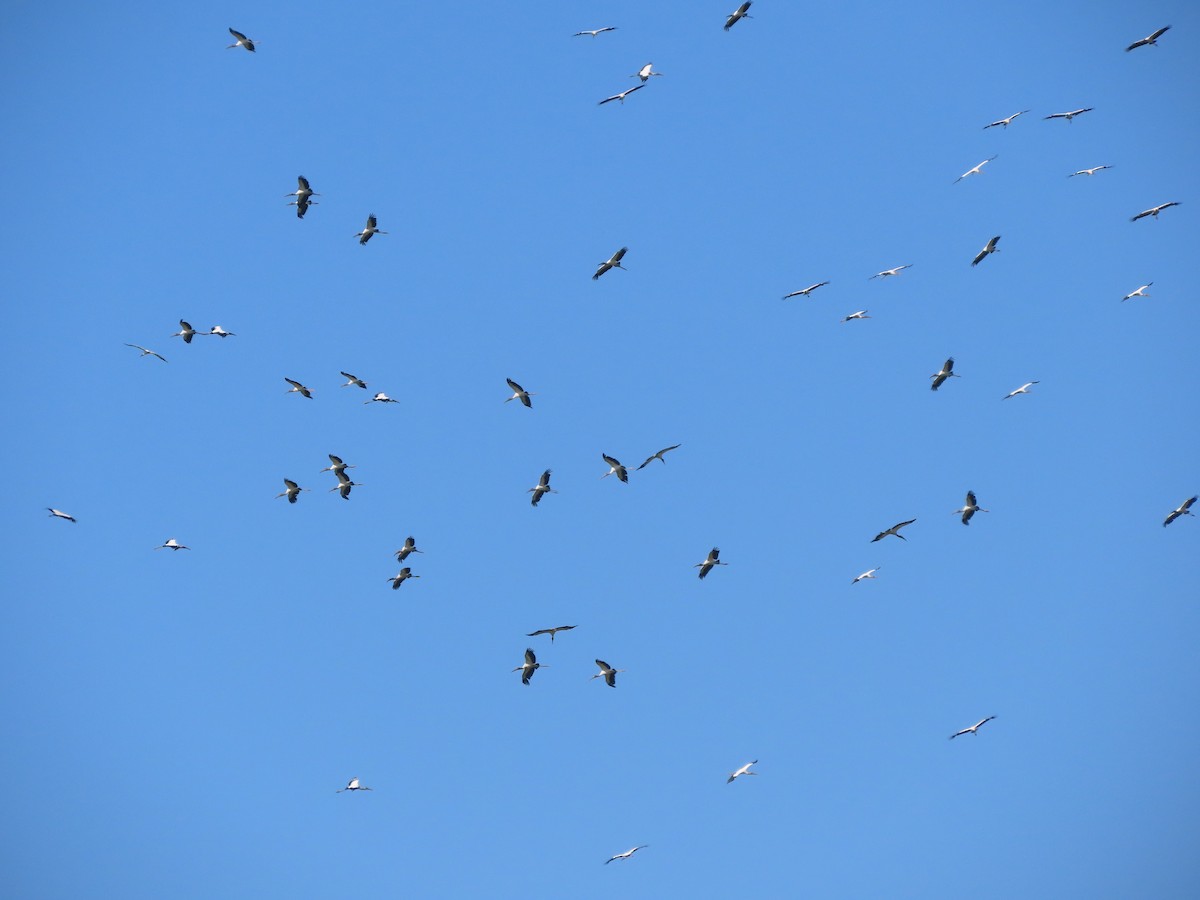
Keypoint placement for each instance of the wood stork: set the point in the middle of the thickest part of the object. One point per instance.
(402, 576)
(740, 13)
(365, 235)
(744, 770)
(298, 388)
(621, 96)
(59, 514)
(969, 508)
(974, 729)
(870, 573)
(172, 544)
(1092, 171)
(887, 273)
(1151, 41)
(989, 249)
(1183, 509)
(894, 530)
(595, 31)
(1023, 389)
(303, 195)
(947, 371)
(607, 672)
(240, 40)
(353, 381)
(550, 631)
(632, 850)
(978, 170)
(1152, 211)
(542, 487)
(381, 397)
(343, 486)
(646, 73)
(187, 332)
(659, 456)
(806, 291)
(220, 332)
(338, 467)
(146, 352)
(1140, 292)
(354, 785)
(1069, 116)
(613, 262)
(1005, 122)
(861, 314)
(519, 393)
(615, 468)
(292, 490)
(710, 561)
(410, 546)
(530, 666)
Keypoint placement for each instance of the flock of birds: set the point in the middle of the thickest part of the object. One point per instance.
(302, 200)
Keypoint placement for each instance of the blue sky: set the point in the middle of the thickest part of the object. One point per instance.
(178, 723)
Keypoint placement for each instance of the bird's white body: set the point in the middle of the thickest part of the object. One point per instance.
(969, 508)
(646, 72)
(861, 314)
(59, 514)
(977, 170)
(628, 853)
(744, 770)
(888, 273)
(218, 331)
(713, 559)
(381, 397)
(870, 573)
(172, 544)
(354, 785)
(1023, 389)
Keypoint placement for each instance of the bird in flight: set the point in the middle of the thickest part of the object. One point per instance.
(1151, 41)
(621, 96)
(1140, 292)
(220, 332)
(172, 544)
(1069, 116)
(550, 631)
(354, 785)
(740, 13)
(646, 72)
(542, 487)
(240, 40)
(1023, 389)
(410, 546)
(744, 770)
(974, 729)
(607, 672)
(1092, 171)
(595, 31)
(528, 667)
(1183, 509)
(659, 456)
(806, 292)
(1152, 211)
(710, 561)
(292, 491)
(297, 388)
(337, 467)
(947, 371)
(986, 251)
(870, 573)
(969, 508)
(861, 314)
(519, 393)
(344, 486)
(613, 262)
(887, 273)
(365, 235)
(402, 576)
(146, 352)
(1005, 122)
(186, 331)
(303, 193)
(628, 853)
(353, 381)
(978, 170)
(59, 514)
(615, 468)
(894, 530)
(381, 397)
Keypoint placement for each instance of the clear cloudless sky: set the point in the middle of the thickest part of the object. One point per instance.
(177, 724)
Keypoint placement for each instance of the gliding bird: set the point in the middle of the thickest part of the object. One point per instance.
(1151, 41)
(186, 331)
(989, 249)
(804, 293)
(615, 468)
(613, 262)
(886, 273)
(710, 561)
(1005, 122)
(739, 13)
(1153, 211)
(146, 352)
(410, 546)
(861, 314)
(947, 371)
(1183, 509)
(297, 388)
(542, 487)
(220, 332)
(1069, 115)
(969, 509)
(403, 576)
(381, 397)
(59, 514)
(353, 786)
(1140, 292)
(974, 729)
(1092, 171)
(172, 544)
(645, 73)
(607, 672)
(240, 40)
(978, 170)
(519, 393)
(292, 492)
(550, 631)
(633, 850)
(744, 770)
(870, 573)
(365, 235)
(659, 456)
(595, 32)
(528, 667)
(344, 485)
(894, 530)
(621, 96)
(338, 468)
(354, 381)
(1023, 389)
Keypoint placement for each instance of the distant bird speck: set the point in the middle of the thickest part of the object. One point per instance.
(621, 96)
(1069, 116)
(1092, 171)
(172, 544)
(1023, 389)
(888, 273)
(1004, 123)
(974, 729)
(894, 530)
(146, 352)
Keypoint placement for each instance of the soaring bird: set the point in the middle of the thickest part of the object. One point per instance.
(894, 530)
(989, 249)
(595, 31)
(1069, 115)
(659, 456)
(969, 508)
(550, 631)
(974, 729)
(410, 546)
(1140, 292)
(621, 96)
(744, 770)
(628, 853)
(978, 170)
(365, 235)
(1152, 40)
(646, 72)
(1183, 509)
(615, 468)
(519, 393)
(59, 514)
(172, 544)
(528, 667)
(353, 381)
(861, 314)
(354, 785)
(1005, 122)
(297, 388)
(542, 487)
(402, 576)
(613, 262)
(1152, 211)
(218, 331)
(240, 40)
(947, 371)
(806, 292)
(1092, 171)
(337, 467)
(1023, 389)
(292, 490)
(146, 352)
(186, 331)
(381, 397)
(870, 573)
(303, 195)
(887, 273)
(607, 672)
(709, 561)
(344, 485)
(739, 13)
